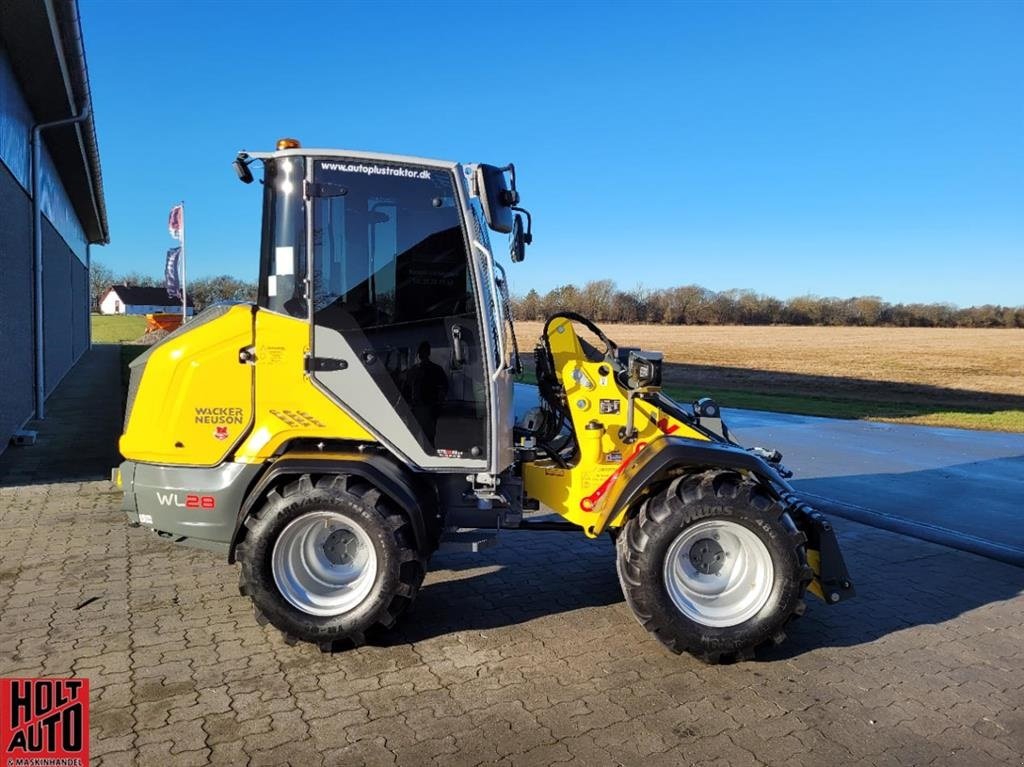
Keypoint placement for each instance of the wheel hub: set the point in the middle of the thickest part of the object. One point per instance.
(707, 556)
(341, 547)
(718, 572)
(324, 563)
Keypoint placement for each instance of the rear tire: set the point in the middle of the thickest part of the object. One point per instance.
(329, 563)
(713, 566)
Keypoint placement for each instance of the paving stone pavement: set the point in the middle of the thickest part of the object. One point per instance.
(78, 438)
(523, 655)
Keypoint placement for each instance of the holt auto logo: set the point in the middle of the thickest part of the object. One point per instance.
(44, 722)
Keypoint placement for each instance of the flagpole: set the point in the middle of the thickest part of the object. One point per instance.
(184, 296)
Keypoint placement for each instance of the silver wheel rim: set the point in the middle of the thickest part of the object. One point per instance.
(324, 563)
(718, 573)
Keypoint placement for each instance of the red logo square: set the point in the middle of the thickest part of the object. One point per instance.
(44, 719)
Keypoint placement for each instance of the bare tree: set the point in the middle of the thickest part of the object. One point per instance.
(207, 291)
(101, 278)
(596, 299)
(696, 305)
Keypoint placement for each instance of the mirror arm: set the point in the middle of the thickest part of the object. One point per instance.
(528, 237)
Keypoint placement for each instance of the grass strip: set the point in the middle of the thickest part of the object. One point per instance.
(922, 413)
(117, 328)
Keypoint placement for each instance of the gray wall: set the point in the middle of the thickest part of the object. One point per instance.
(15, 131)
(65, 307)
(65, 276)
(16, 366)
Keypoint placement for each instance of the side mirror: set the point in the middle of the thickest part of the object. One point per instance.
(497, 197)
(242, 169)
(517, 242)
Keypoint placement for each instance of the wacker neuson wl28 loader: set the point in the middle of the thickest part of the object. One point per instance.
(331, 436)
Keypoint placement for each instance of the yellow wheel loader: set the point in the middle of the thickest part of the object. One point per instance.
(362, 413)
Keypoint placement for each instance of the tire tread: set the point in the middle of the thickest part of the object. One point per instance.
(411, 564)
(684, 498)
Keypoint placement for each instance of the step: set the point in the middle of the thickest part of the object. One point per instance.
(467, 540)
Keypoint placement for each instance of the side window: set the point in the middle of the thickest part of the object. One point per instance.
(481, 234)
(283, 250)
(331, 281)
(480, 230)
(383, 248)
(508, 327)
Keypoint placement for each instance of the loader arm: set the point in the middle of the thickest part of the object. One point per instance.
(620, 458)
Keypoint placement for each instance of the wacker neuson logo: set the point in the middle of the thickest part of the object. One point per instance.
(44, 722)
(219, 415)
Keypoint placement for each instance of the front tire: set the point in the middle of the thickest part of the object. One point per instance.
(713, 566)
(329, 563)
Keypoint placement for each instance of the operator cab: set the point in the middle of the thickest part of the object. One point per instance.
(389, 260)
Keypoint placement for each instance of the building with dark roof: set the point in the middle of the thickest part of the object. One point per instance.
(51, 203)
(133, 299)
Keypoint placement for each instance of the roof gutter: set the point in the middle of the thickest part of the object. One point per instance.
(37, 248)
(66, 29)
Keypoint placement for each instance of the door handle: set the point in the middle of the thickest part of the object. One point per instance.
(458, 347)
(324, 364)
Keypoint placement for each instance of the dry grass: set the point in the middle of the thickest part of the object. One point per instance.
(957, 376)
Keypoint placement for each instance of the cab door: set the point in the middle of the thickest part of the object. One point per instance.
(396, 333)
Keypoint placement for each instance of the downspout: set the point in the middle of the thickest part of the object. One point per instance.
(88, 287)
(37, 247)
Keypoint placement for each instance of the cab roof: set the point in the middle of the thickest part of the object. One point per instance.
(353, 154)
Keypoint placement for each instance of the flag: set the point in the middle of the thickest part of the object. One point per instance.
(176, 222)
(172, 277)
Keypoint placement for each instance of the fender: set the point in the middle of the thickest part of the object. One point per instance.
(400, 485)
(670, 456)
(666, 457)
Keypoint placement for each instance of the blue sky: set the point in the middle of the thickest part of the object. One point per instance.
(830, 148)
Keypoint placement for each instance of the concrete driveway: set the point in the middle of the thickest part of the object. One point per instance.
(953, 486)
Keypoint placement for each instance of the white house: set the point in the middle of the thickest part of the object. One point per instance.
(128, 299)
